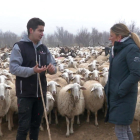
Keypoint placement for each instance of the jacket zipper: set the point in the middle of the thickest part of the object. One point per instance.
(20, 86)
(37, 74)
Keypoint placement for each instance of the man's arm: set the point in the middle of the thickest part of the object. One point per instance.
(16, 62)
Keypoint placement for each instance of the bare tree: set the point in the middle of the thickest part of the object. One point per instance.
(52, 41)
(64, 37)
(133, 28)
(9, 39)
(96, 37)
(83, 37)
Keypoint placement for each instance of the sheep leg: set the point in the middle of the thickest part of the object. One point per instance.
(78, 121)
(71, 128)
(1, 134)
(41, 127)
(56, 119)
(88, 114)
(9, 120)
(138, 128)
(50, 118)
(6, 117)
(96, 122)
(12, 124)
(68, 130)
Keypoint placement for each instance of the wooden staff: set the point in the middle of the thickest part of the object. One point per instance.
(44, 106)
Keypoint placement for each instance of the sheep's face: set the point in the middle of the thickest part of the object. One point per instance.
(3, 91)
(97, 90)
(50, 101)
(61, 67)
(76, 91)
(52, 87)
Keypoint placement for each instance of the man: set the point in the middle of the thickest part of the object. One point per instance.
(23, 60)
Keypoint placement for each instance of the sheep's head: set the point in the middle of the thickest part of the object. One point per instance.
(75, 90)
(97, 90)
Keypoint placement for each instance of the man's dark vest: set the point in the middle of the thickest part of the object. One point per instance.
(29, 87)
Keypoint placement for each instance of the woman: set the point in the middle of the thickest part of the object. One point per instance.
(124, 74)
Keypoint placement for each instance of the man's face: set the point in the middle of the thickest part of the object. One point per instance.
(37, 34)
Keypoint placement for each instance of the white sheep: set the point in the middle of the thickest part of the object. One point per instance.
(52, 87)
(78, 79)
(93, 66)
(94, 98)
(65, 76)
(49, 106)
(5, 101)
(103, 78)
(13, 106)
(71, 103)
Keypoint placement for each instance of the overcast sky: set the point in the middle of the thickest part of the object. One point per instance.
(70, 14)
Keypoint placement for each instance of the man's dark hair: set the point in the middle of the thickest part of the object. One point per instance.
(33, 23)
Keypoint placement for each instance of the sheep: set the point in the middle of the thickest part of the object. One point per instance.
(84, 65)
(49, 106)
(52, 87)
(13, 106)
(79, 70)
(87, 74)
(65, 76)
(6, 65)
(72, 64)
(73, 70)
(61, 67)
(103, 78)
(71, 103)
(93, 66)
(137, 112)
(82, 61)
(94, 98)
(101, 59)
(78, 79)
(95, 75)
(5, 101)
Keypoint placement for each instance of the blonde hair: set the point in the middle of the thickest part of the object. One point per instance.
(122, 29)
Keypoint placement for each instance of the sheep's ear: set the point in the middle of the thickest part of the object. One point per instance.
(92, 89)
(72, 78)
(7, 87)
(62, 71)
(90, 74)
(48, 84)
(82, 78)
(89, 65)
(100, 73)
(52, 98)
(58, 85)
(83, 88)
(69, 90)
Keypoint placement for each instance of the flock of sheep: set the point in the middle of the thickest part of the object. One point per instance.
(77, 85)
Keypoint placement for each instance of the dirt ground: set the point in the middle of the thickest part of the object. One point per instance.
(84, 131)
